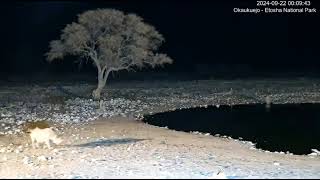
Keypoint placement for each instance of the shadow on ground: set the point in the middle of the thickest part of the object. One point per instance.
(109, 142)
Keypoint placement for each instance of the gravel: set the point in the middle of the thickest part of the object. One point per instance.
(48, 103)
(20, 104)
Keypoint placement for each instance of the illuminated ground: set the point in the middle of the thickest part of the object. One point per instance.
(100, 144)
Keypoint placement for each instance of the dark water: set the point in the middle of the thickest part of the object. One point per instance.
(287, 127)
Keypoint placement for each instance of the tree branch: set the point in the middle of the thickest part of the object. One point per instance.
(120, 68)
(92, 53)
(106, 74)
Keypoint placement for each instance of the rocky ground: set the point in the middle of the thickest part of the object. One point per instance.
(105, 140)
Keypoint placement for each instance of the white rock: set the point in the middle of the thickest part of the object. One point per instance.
(313, 154)
(9, 150)
(276, 164)
(55, 150)
(42, 158)
(20, 122)
(316, 151)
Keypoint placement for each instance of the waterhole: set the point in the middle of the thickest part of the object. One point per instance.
(291, 128)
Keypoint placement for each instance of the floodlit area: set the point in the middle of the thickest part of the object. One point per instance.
(109, 140)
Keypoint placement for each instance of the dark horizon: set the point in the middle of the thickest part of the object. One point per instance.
(202, 37)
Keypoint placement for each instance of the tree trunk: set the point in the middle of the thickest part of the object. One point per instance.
(97, 92)
(102, 78)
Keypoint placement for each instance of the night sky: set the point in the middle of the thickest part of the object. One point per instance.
(205, 38)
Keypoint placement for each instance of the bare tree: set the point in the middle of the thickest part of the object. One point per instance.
(112, 40)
